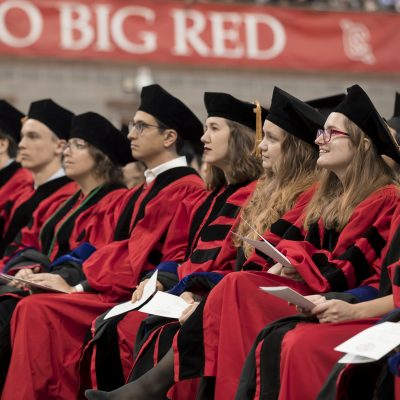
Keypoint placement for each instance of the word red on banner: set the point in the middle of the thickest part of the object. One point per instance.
(201, 34)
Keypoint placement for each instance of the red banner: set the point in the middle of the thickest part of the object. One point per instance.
(202, 34)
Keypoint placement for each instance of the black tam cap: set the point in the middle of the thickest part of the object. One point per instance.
(55, 117)
(325, 105)
(226, 106)
(358, 107)
(102, 134)
(394, 122)
(10, 120)
(157, 102)
(294, 116)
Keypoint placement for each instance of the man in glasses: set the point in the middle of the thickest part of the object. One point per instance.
(43, 135)
(144, 235)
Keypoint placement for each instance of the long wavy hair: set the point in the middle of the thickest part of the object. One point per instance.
(276, 193)
(242, 164)
(335, 201)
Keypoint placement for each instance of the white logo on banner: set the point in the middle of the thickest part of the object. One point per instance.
(356, 42)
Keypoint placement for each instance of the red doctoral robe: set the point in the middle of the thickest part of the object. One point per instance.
(304, 350)
(236, 310)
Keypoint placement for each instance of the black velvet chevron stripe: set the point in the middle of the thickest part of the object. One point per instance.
(313, 236)
(375, 239)
(360, 264)
(333, 275)
(202, 256)
(219, 208)
(330, 240)
(285, 229)
(215, 232)
(229, 210)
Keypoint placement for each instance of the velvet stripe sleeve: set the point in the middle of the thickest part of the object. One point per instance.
(357, 252)
(289, 227)
(215, 251)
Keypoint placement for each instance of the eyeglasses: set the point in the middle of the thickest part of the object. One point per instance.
(139, 127)
(75, 146)
(327, 134)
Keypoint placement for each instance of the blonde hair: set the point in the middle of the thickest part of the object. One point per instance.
(279, 189)
(335, 200)
(242, 164)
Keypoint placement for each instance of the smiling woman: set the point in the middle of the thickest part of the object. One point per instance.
(335, 149)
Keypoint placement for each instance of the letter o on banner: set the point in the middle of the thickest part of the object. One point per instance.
(35, 19)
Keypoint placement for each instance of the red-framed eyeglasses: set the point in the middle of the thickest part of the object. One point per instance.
(327, 134)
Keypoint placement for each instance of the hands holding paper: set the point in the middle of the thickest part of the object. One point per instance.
(138, 293)
(329, 310)
(287, 271)
(291, 273)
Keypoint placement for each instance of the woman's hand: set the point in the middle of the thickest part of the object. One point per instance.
(291, 273)
(314, 298)
(193, 300)
(52, 281)
(138, 293)
(334, 311)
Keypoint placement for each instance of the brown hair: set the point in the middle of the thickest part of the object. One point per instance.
(335, 200)
(243, 165)
(105, 168)
(279, 189)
